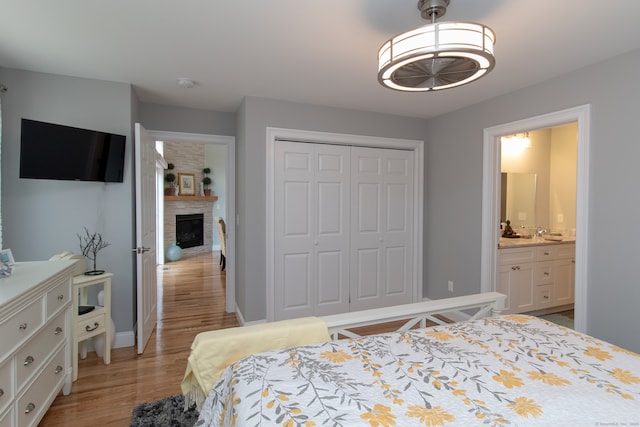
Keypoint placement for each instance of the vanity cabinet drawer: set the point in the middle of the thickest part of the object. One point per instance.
(30, 358)
(516, 255)
(544, 273)
(58, 297)
(91, 324)
(34, 402)
(566, 251)
(6, 384)
(21, 325)
(543, 296)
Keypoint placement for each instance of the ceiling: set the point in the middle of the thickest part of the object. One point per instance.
(320, 52)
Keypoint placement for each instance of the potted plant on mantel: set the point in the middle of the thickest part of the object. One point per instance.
(170, 177)
(206, 181)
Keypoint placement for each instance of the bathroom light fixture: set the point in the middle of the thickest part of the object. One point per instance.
(438, 55)
(186, 82)
(514, 145)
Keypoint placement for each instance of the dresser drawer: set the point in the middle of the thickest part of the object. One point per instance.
(6, 384)
(90, 324)
(30, 358)
(7, 419)
(20, 326)
(34, 402)
(58, 297)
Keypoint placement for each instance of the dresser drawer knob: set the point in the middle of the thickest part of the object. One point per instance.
(30, 408)
(546, 273)
(58, 369)
(88, 328)
(58, 331)
(60, 297)
(23, 326)
(28, 361)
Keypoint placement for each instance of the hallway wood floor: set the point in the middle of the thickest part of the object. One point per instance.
(191, 300)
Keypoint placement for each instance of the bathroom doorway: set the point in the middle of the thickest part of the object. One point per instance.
(492, 197)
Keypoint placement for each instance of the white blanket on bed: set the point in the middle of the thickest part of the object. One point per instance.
(505, 371)
(213, 351)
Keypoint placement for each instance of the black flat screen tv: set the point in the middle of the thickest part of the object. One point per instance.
(52, 151)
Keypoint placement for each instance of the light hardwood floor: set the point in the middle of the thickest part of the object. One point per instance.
(191, 299)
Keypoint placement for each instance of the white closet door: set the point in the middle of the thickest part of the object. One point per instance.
(311, 230)
(381, 227)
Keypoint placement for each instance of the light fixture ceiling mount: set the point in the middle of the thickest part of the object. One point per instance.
(438, 55)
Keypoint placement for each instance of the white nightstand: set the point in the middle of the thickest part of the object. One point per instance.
(95, 322)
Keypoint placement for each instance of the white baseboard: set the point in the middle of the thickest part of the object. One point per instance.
(124, 339)
(245, 323)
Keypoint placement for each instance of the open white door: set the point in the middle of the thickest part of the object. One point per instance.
(145, 164)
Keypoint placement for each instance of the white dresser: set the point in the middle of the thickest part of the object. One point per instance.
(35, 340)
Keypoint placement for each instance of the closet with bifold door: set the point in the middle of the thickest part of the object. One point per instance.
(343, 232)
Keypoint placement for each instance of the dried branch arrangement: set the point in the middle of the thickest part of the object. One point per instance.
(90, 245)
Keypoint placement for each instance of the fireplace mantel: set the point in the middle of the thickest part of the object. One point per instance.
(190, 198)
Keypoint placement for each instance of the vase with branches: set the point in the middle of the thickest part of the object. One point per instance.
(90, 245)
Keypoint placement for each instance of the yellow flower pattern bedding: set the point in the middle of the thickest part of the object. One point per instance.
(507, 371)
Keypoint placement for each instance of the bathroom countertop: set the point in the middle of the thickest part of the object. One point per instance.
(534, 241)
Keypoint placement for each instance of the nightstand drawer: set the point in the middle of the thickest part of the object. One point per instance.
(30, 358)
(90, 324)
(58, 297)
(20, 326)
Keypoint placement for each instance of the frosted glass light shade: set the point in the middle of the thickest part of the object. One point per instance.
(436, 56)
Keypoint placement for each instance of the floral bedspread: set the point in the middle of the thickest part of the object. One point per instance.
(507, 371)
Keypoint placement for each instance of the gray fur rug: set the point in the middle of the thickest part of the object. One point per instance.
(167, 412)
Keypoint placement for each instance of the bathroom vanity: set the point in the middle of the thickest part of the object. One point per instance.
(536, 274)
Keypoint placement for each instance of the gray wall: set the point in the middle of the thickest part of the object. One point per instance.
(42, 217)
(188, 120)
(454, 189)
(255, 115)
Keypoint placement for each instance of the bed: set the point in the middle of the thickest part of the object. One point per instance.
(513, 370)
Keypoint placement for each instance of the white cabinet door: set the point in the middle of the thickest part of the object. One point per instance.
(311, 230)
(517, 282)
(381, 227)
(563, 276)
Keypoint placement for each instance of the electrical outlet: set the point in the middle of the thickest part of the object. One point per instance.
(450, 285)
(560, 218)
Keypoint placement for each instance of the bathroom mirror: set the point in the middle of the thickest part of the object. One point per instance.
(518, 201)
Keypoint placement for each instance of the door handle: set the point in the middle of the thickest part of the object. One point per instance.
(140, 250)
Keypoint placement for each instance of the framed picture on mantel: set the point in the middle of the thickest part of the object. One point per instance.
(187, 184)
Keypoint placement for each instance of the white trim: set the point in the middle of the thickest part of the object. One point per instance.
(243, 322)
(491, 198)
(416, 146)
(230, 142)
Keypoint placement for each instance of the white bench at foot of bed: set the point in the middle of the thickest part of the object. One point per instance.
(487, 304)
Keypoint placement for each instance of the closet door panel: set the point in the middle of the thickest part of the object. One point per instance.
(294, 219)
(382, 180)
(331, 240)
(311, 231)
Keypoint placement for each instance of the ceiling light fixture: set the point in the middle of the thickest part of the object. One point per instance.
(186, 83)
(438, 55)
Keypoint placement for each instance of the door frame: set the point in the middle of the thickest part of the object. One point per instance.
(230, 208)
(491, 198)
(296, 135)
